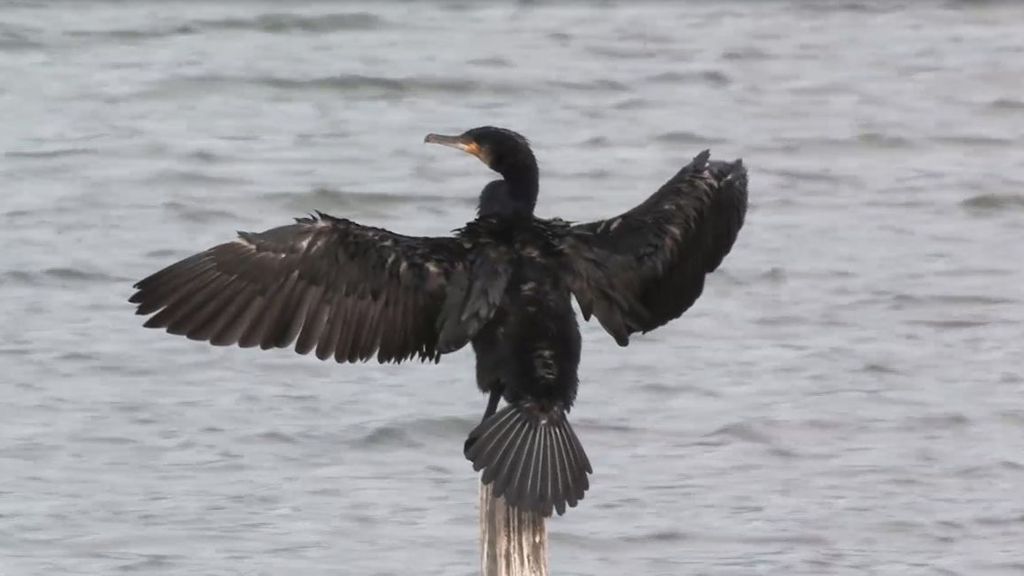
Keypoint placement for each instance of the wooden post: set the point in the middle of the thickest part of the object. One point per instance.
(512, 542)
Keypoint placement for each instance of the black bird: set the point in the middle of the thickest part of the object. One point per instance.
(502, 283)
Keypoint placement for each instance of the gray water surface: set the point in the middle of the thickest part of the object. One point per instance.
(846, 398)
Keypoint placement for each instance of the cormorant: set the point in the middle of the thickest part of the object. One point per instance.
(502, 283)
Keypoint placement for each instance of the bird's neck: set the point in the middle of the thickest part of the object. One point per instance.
(521, 184)
(513, 198)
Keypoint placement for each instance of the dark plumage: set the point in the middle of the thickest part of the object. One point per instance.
(503, 283)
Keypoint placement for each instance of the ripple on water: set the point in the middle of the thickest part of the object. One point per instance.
(443, 426)
(940, 421)
(346, 82)
(50, 154)
(879, 368)
(58, 277)
(632, 103)
(77, 357)
(775, 274)
(622, 52)
(953, 323)
(688, 138)
(199, 213)
(194, 177)
(206, 156)
(716, 78)
(595, 142)
(14, 38)
(884, 141)
(597, 85)
(903, 301)
(166, 253)
(271, 437)
(127, 34)
(993, 202)
(355, 84)
(746, 53)
(352, 85)
(658, 536)
(742, 431)
(108, 440)
(975, 141)
(318, 23)
(270, 23)
(147, 563)
(387, 436)
(663, 391)
(813, 176)
(328, 199)
(1007, 104)
(491, 62)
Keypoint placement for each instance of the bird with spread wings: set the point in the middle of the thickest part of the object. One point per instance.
(503, 284)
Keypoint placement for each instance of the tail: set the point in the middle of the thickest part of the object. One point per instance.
(533, 457)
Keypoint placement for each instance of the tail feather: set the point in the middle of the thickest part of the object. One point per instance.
(532, 456)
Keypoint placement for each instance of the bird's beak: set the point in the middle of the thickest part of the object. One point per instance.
(463, 143)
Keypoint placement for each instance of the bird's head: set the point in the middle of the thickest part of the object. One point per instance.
(507, 153)
(504, 151)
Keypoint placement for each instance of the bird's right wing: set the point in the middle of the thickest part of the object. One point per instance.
(641, 269)
(346, 290)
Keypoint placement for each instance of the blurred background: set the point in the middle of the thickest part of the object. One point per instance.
(846, 398)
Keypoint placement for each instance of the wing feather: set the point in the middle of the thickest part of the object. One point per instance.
(639, 270)
(326, 284)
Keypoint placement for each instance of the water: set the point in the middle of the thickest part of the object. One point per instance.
(845, 399)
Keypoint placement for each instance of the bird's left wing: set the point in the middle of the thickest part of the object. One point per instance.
(346, 290)
(639, 270)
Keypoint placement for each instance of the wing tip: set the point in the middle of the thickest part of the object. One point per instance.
(700, 161)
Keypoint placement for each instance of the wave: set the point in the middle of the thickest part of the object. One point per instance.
(710, 77)
(1007, 104)
(273, 23)
(140, 34)
(812, 176)
(879, 368)
(940, 421)
(879, 140)
(196, 213)
(689, 138)
(491, 62)
(58, 275)
(952, 324)
(332, 197)
(994, 202)
(599, 85)
(319, 23)
(345, 83)
(746, 53)
(56, 153)
(359, 81)
(190, 177)
(632, 103)
(441, 426)
(387, 437)
(17, 39)
(741, 431)
(977, 140)
(623, 52)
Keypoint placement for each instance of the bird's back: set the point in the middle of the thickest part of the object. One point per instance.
(532, 343)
